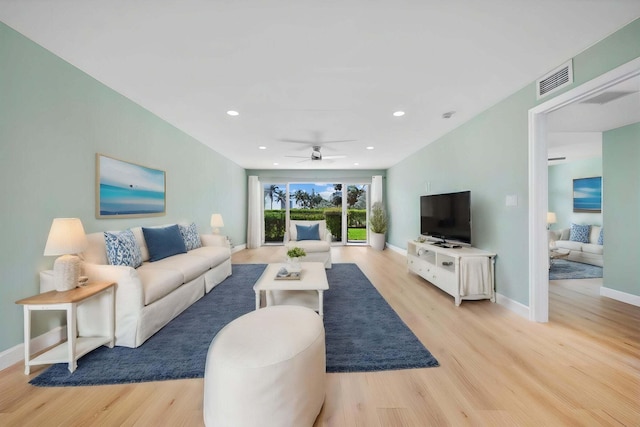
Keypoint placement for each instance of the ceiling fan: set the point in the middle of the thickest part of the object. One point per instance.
(316, 155)
(316, 145)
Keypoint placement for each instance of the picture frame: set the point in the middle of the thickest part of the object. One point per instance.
(587, 194)
(128, 190)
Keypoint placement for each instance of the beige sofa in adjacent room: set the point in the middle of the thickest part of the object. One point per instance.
(588, 253)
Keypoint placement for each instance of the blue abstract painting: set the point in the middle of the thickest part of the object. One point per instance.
(587, 194)
(128, 190)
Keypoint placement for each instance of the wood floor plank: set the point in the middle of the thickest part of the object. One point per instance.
(582, 368)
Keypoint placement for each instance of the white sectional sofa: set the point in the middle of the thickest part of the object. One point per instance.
(588, 253)
(151, 295)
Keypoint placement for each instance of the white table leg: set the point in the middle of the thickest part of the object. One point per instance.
(72, 331)
(257, 300)
(111, 316)
(320, 302)
(27, 339)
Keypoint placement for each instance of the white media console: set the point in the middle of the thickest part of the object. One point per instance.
(442, 267)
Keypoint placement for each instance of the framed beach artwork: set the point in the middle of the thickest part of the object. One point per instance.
(128, 190)
(587, 194)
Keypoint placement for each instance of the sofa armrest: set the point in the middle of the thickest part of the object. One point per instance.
(214, 240)
(328, 237)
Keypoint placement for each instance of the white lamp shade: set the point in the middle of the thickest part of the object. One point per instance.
(216, 221)
(65, 237)
(551, 218)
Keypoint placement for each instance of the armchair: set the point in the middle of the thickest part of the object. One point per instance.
(318, 250)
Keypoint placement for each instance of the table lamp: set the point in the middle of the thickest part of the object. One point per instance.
(216, 223)
(551, 219)
(66, 238)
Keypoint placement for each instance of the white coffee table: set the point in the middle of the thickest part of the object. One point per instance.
(313, 278)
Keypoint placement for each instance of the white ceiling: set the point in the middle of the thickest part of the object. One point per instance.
(575, 131)
(316, 70)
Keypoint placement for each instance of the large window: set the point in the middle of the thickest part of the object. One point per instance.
(317, 201)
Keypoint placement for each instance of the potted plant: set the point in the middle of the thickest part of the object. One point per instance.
(293, 259)
(378, 226)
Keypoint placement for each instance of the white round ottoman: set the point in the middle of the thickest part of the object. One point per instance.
(266, 368)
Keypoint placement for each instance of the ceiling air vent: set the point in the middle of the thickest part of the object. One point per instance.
(555, 80)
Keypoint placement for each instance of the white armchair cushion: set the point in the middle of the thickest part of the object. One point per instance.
(310, 246)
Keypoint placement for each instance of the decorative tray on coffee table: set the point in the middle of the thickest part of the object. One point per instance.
(283, 274)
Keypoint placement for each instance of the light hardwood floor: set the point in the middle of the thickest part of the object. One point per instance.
(582, 368)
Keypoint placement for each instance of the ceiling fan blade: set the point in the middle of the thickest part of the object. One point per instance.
(333, 157)
(550, 159)
(337, 140)
(297, 141)
(299, 157)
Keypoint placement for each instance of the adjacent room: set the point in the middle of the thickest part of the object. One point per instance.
(333, 214)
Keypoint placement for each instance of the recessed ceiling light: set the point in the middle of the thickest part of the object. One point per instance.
(262, 147)
(370, 147)
(398, 113)
(275, 163)
(356, 164)
(233, 113)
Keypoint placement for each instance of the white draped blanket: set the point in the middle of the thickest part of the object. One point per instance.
(475, 275)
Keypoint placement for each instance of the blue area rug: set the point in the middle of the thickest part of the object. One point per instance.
(363, 333)
(562, 269)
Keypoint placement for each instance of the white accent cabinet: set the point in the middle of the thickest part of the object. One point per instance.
(441, 267)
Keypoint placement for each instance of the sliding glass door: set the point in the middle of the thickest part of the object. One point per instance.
(356, 213)
(316, 201)
(343, 206)
(275, 212)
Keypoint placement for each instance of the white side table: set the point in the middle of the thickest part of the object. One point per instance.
(75, 347)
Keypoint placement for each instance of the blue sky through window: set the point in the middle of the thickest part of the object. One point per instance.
(324, 189)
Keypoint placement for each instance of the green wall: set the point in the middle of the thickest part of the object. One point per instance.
(561, 191)
(621, 194)
(489, 156)
(53, 120)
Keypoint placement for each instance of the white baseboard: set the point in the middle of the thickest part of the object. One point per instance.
(238, 248)
(397, 249)
(518, 308)
(620, 296)
(15, 354)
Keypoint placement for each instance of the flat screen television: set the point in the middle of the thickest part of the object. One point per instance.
(446, 216)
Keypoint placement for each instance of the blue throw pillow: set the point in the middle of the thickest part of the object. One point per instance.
(190, 236)
(601, 237)
(310, 232)
(579, 233)
(163, 242)
(122, 248)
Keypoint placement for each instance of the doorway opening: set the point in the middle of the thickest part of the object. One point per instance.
(538, 181)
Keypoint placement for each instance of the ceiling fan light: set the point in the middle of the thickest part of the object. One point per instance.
(233, 113)
(398, 113)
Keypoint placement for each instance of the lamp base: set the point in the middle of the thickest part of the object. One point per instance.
(66, 272)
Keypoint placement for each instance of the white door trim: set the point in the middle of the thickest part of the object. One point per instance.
(538, 182)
